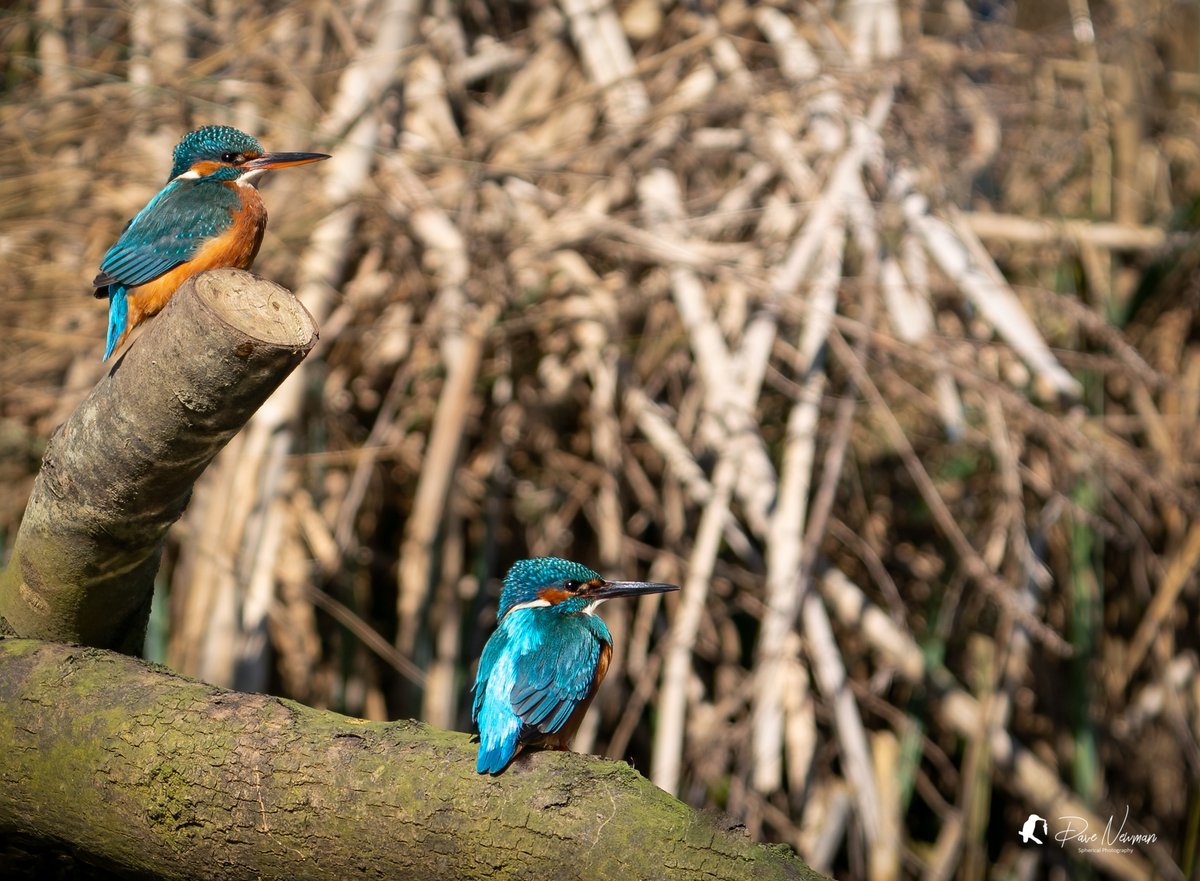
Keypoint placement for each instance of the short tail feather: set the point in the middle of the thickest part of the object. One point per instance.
(494, 757)
(118, 317)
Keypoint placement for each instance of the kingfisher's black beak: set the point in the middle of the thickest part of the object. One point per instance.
(269, 161)
(609, 589)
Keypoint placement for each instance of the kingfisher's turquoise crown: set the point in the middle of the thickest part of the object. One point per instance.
(213, 142)
(527, 577)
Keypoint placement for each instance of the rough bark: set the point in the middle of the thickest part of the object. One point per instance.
(129, 768)
(119, 472)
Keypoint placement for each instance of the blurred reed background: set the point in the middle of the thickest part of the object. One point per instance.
(871, 324)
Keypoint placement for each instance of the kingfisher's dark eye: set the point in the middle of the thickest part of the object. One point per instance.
(231, 158)
(572, 586)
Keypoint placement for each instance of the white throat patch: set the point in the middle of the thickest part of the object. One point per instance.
(539, 603)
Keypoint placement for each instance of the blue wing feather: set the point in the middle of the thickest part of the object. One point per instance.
(167, 232)
(536, 669)
(499, 726)
(550, 686)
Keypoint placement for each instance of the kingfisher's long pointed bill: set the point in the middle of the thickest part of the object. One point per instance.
(610, 589)
(269, 161)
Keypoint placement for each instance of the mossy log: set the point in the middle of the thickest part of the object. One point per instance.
(126, 768)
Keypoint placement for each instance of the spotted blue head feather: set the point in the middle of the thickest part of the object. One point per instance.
(215, 143)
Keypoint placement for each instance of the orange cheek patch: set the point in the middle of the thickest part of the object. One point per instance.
(553, 595)
(205, 168)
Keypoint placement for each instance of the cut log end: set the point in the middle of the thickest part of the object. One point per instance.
(256, 308)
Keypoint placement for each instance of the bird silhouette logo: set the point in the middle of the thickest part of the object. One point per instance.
(1029, 830)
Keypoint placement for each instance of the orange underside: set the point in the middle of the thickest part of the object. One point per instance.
(235, 248)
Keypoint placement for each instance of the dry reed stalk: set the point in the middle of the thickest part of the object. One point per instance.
(730, 381)
(663, 209)
(874, 29)
(441, 459)
(797, 61)
(829, 672)
(657, 428)
(252, 658)
(462, 335)
(896, 647)
(884, 860)
(1161, 696)
(205, 604)
(904, 280)
(53, 55)
(801, 737)
(1098, 135)
(1048, 231)
(786, 582)
(667, 757)
(964, 259)
(943, 862)
(607, 59)
(975, 791)
(826, 817)
(440, 700)
(1179, 571)
(292, 621)
(601, 356)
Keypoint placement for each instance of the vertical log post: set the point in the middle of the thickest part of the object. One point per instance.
(120, 471)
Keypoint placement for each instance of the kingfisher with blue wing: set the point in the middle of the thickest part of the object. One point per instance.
(542, 666)
(208, 216)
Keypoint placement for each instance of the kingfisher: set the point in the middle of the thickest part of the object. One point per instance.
(209, 215)
(541, 667)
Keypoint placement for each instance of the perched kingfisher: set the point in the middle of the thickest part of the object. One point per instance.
(209, 215)
(542, 666)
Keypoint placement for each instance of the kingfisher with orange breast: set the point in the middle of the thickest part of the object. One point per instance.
(208, 216)
(548, 655)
